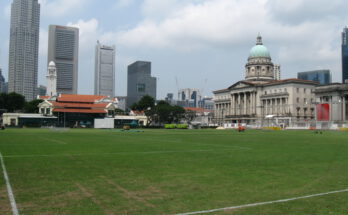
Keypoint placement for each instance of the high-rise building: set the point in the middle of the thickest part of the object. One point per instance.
(140, 82)
(323, 77)
(104, 79)
(189, 97)
(2, 82)
(277, 72)
(63, 49)
(24, 47)
(345, 55)
(42, 90)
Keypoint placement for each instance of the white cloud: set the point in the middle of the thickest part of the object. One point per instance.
(120, 4)
(229, 23)
(89, 32)
(57, 8)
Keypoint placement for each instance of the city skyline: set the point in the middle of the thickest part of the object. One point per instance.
(209, 46)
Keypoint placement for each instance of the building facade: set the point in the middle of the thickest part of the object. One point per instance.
(140, 82)
(24, 48)
(332, 103)
(260, 98)
(345, 55)
(2, 82)
(104, 78)
(77, 110)
(63, 49)
(323, 77)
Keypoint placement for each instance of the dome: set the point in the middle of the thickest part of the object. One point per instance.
(259, 51)
(52, 64)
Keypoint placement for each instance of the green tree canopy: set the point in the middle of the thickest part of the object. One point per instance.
(32, 106)
(12, 102)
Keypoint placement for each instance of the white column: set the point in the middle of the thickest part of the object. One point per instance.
(239, 105)
(245, 103)
(344, 108)
(232, 104)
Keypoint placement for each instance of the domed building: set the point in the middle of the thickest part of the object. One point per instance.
(261, 96)
(259, 67)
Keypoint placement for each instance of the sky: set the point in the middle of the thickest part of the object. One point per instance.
(200, 44)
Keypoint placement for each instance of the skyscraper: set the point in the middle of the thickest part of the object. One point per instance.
(345, 55)
(24, 47)
(63, 49)
(2, 82)
(104, 79)
(323, 77)
(140, 82)
(277, 72)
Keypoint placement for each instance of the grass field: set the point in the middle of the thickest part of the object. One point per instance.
(172, 171)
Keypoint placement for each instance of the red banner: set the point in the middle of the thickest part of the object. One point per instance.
(323, 112)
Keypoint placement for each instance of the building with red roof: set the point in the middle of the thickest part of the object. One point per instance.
(78, 110)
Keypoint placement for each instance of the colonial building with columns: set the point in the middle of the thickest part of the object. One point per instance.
(261, 98)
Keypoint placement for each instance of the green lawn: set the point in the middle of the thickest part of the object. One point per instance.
(91, 172)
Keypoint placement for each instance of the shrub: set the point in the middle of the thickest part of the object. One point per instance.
(169, 126)
(182, 126)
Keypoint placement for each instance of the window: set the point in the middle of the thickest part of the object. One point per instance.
(298, 100)
(304, 90)
(297, 90)
(305, 100)
(141, 88)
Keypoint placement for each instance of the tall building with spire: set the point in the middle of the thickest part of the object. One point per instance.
(24, 47)
(345, 55)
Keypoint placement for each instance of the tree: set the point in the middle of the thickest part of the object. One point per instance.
(169, 114)
(14, 102)
(147, 105)
(178, 113)
(32, 106)
(163, 111)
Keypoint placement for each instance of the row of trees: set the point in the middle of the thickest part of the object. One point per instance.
(14, 102)
(161, 113)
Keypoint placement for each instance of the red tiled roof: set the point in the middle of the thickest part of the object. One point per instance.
(78, 105)
(44, 97)
(198, 110)
(79, 98)
(60, 110)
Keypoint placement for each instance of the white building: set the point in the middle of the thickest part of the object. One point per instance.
(332, 105)
(104, 79)
(51, 79)
(260, 97)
